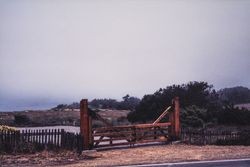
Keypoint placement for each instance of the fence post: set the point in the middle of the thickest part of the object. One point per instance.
(177, 117)
(85, 123)
(174, 118)
(203, 136)
(62, 138)
(190, 135)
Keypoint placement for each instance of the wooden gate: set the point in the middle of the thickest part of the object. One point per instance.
(129, 134)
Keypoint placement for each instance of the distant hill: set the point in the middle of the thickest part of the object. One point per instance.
(235, 95)
(62, 117)
(128, 103)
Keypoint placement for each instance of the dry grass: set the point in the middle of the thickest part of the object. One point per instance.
(128, 156)
(165, 153)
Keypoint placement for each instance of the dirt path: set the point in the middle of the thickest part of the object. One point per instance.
(137, 155)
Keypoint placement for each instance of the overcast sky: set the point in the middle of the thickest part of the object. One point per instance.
(61, 51)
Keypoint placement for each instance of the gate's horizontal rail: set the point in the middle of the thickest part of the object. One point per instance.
(118, 132)
(131, 132)
(128, 131)
(132, 143)
(127, 138)
(115, 144)
(111, 139)
(134, 126)
(113, 133)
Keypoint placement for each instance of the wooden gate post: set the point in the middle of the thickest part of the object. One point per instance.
(85, 123)
(174, 119)
(171, 127)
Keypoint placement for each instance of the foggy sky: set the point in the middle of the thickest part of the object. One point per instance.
(61, 51)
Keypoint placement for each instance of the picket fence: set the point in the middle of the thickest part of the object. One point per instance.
(39, 139)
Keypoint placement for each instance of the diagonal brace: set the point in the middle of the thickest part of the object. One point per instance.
(162, 115)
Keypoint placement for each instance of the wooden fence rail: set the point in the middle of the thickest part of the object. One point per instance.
(41, 139)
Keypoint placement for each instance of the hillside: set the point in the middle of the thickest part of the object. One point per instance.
(63, 117)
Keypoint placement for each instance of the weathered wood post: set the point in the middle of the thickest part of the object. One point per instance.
(174, 119)
(85, 123)
(171, 127)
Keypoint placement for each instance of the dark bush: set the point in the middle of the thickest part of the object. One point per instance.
(22, 120)
(234, 116)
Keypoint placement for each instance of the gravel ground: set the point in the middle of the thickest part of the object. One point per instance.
(128, 156)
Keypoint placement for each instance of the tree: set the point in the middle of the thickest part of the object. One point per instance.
(198, 94)
(193, 116)
(234, 116)
(60, 107)
(129, 103)
(104, 103)
(235, 95)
